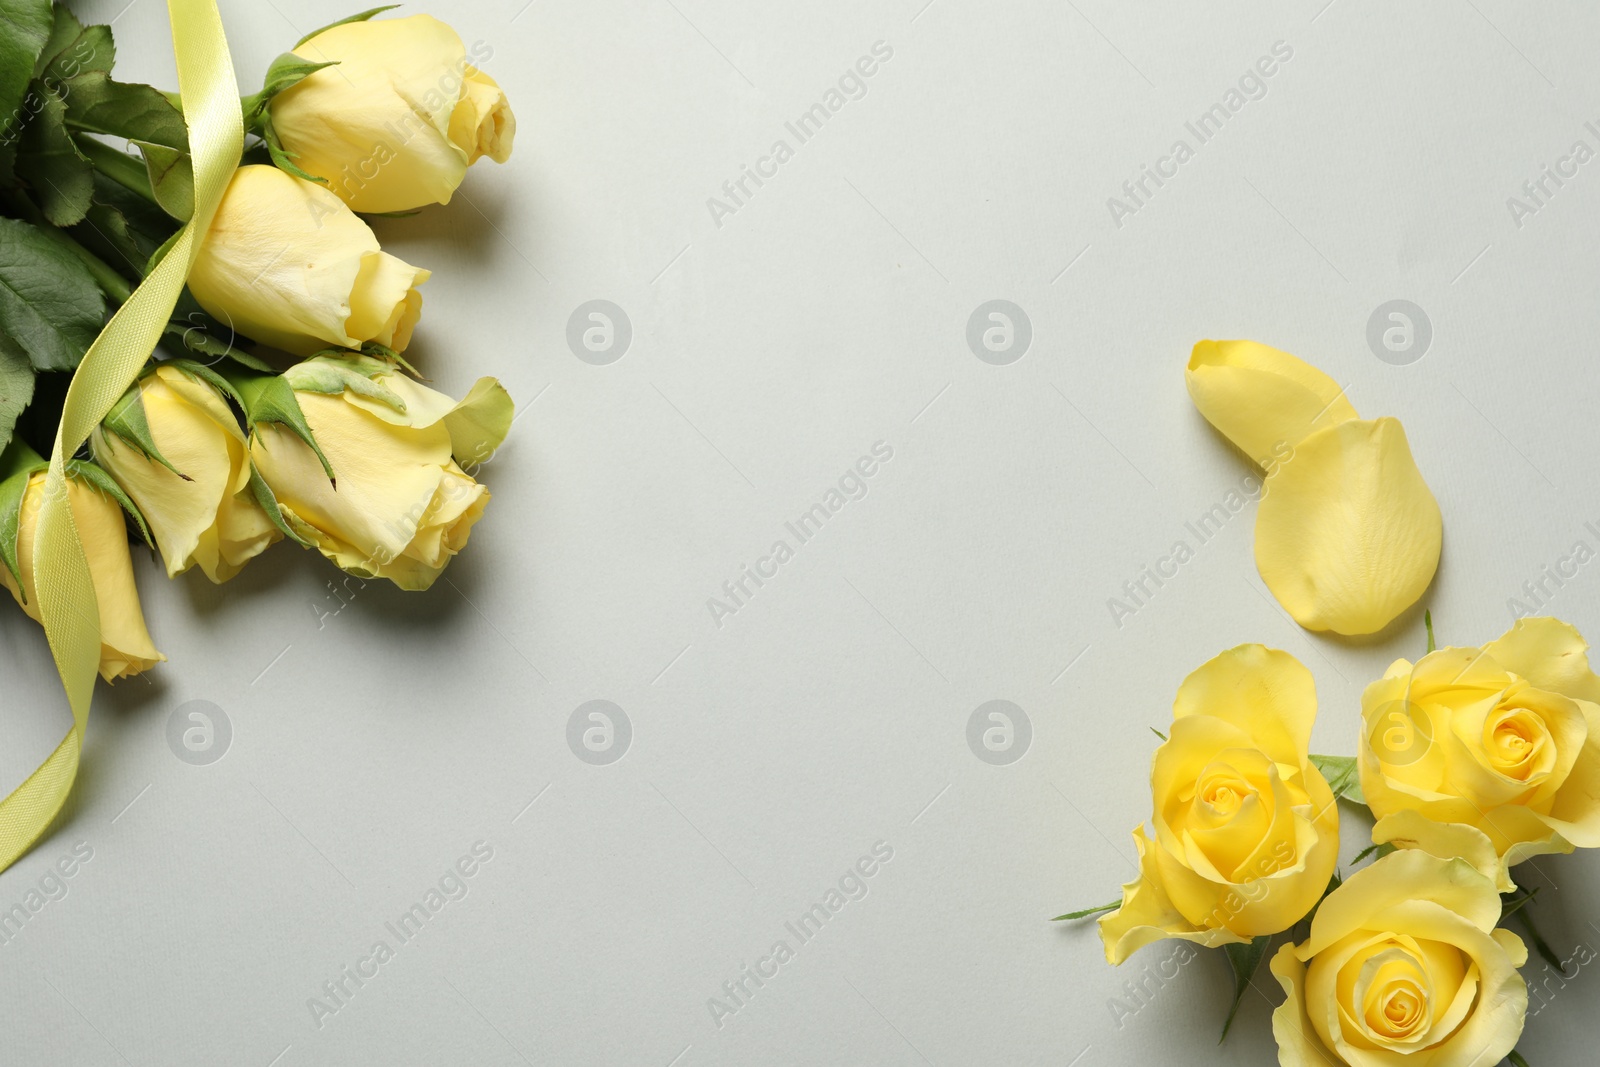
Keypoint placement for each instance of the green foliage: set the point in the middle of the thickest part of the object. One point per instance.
(1245, 959)
(16, 386)
(50, 303)
(1343, 776)
(27, 29)
(1086, 912)
(50, 163)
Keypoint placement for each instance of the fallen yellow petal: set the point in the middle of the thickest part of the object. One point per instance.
(1348, 533)
(1265, 401)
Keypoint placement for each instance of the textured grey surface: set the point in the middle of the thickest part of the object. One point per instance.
(373, 744)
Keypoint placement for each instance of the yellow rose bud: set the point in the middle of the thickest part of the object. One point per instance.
(1504, 739)
(399, 506)
(1347, 534)
(397, 123)
(194, 489)
(286, 263)
(1246, 829)
(125, 646)
(1404, 965)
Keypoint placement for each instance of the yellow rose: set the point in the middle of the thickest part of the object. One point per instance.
(286, 263)
(1347, 533)
(1246, 829)
(398, 505)
(1404, 965)
(125, 646)
(1504, 739)
(176, 449)
(397, 123)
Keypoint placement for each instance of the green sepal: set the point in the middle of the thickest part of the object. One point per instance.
(270, 398)
(126, 420)
(379, 351)
(282, 158)
(269, 504)
(202, 373)
(1516, 1059)
(286, 71)
(1377, 852)
(18, 463)
(1072, 916)
(88, 471)
(171, 174)
(390, 214)
(1343, 776)
(1244, 959)
(332, 375)
(361, 17)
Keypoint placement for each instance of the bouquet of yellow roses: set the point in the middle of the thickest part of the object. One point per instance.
(1470, 761)
(249, 386)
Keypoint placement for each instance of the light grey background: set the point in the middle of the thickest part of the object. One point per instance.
(373, 745)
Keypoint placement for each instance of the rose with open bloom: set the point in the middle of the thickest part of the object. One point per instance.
(1347, 533)
(1404, 965)
(286, 263)
(125, 645)
(1504, 739)
(195, 490)
(1246, 829)
(398, 506)
(395, 125)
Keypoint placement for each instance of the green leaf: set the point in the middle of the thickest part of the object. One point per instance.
(1427, 620)
(122, 227)
(1343, 776)
(1086, 912)
(1524, 918)
(59, 175)
(269, 504)
(361, 17)
(16, 386)
(73, 49)
(50, 303)
(1516, 1059)
(25, 27)
(86, 471)
(125, 109)
(1244, 959)
(126, 420)
(171, 179)
(1158, 733)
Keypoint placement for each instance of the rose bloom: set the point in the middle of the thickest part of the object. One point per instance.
(1246, 829)
(1404, 965)
(1504, 739)
(197, 502)
(286, 263)
(397, 123)
(125, 645)
(400, 507)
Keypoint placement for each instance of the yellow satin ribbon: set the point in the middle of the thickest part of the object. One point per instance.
(65, 592)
